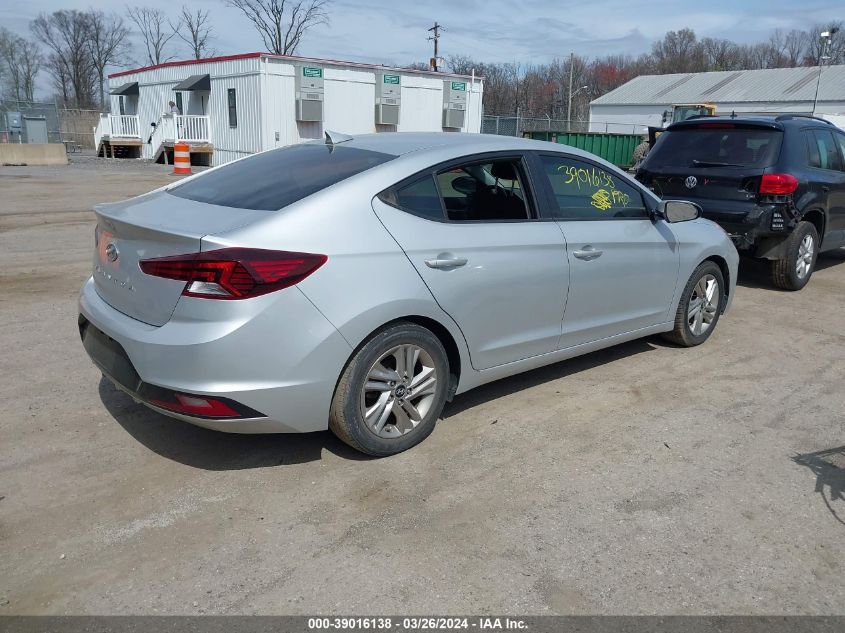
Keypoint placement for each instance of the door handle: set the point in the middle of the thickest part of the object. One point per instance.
(588, 253)
(446, 263)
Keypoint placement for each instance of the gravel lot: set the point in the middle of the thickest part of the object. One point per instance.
(641, 479)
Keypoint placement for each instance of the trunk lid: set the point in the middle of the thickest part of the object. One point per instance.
(711, 160)
(154, 225)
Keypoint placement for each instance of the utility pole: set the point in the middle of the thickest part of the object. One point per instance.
(569, 101)
(436, 38)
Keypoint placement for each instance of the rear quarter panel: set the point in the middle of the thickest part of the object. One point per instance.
(367, 281)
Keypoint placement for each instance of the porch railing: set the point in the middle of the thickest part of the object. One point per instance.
(124, 125)
(192, 127)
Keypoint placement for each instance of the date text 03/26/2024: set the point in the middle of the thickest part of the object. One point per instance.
(416, 624)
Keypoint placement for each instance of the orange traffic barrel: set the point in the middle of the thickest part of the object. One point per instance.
(181, 158)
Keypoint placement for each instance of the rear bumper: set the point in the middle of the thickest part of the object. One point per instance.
(745, 222)
(275, 355)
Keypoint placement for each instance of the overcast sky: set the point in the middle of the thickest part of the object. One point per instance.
(394, 32)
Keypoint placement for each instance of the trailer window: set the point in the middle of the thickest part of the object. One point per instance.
(233, 107)
(275, 179)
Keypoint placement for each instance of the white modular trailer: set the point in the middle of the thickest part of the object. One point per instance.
(243, 104)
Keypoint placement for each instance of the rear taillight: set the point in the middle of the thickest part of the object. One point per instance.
(778, 184)
(234, 273)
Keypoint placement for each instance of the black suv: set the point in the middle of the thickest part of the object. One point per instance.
(775, 184)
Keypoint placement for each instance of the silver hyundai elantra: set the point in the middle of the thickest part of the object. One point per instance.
(358, 284)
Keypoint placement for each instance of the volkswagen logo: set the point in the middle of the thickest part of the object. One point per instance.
(691, 182)
(111, 252)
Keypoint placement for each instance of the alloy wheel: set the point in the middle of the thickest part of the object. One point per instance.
(703, 305)
(399, 391)
(805, 257)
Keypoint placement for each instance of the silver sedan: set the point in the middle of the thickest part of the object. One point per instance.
(358, 284)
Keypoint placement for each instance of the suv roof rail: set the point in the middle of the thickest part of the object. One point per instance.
(789, 117)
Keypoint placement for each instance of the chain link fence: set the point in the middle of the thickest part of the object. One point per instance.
(29, 122)
(517, 126)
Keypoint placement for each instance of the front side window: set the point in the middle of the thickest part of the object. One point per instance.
(232, 103)
(823, 152)
(584, 191)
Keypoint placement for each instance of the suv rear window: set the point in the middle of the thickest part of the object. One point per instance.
(273, 180)
(716, 146)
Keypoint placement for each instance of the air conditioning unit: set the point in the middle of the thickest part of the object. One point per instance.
(454, 118)
(309, 93)
(454, 103)
(388, 98)
(387, 114)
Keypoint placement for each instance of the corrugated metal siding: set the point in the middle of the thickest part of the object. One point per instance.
(768, 85)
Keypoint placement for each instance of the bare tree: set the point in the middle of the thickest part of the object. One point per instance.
(106, 44)
(794, 45)
(192, 28)
(720, 54)
(20, 61)
(282, 23)
(153, 26)
(65, 33)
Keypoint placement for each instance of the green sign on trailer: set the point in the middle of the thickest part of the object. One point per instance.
(308, 71)
(391, 79)
(614, 148)
(459, 85)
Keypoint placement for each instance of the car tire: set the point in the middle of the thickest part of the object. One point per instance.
(702, 299)
(378, 397)
(793, 272)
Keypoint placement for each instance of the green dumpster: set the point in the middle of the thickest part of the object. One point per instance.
(614, 148)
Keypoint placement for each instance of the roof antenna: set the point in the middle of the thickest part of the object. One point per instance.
(333, 138)
(733, 114)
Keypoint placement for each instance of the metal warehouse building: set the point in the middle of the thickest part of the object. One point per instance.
(228, 107)
(642, 101)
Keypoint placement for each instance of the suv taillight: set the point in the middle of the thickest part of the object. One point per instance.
(234, 273)
(778, 184)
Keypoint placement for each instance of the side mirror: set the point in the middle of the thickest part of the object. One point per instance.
(678, 210)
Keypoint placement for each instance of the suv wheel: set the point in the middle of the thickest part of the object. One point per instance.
(795, 269)
(392, 391)
(700, 306)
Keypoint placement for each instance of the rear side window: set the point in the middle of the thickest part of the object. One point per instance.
(484, 191)
(273, 180)
(487, 191)
(421, 198)
(823, 150)
(586, 192)
(716, 146)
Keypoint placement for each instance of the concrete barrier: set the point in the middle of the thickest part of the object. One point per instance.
(33, 154)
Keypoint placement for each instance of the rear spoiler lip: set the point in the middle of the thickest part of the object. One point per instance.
(716, 123)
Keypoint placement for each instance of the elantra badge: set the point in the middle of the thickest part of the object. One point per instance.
(691, 182)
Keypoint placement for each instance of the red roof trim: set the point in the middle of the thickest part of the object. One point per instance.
(187, 62)
(226, 58)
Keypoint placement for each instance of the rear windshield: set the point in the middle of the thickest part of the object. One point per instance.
(716, 147)
(273, 180)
